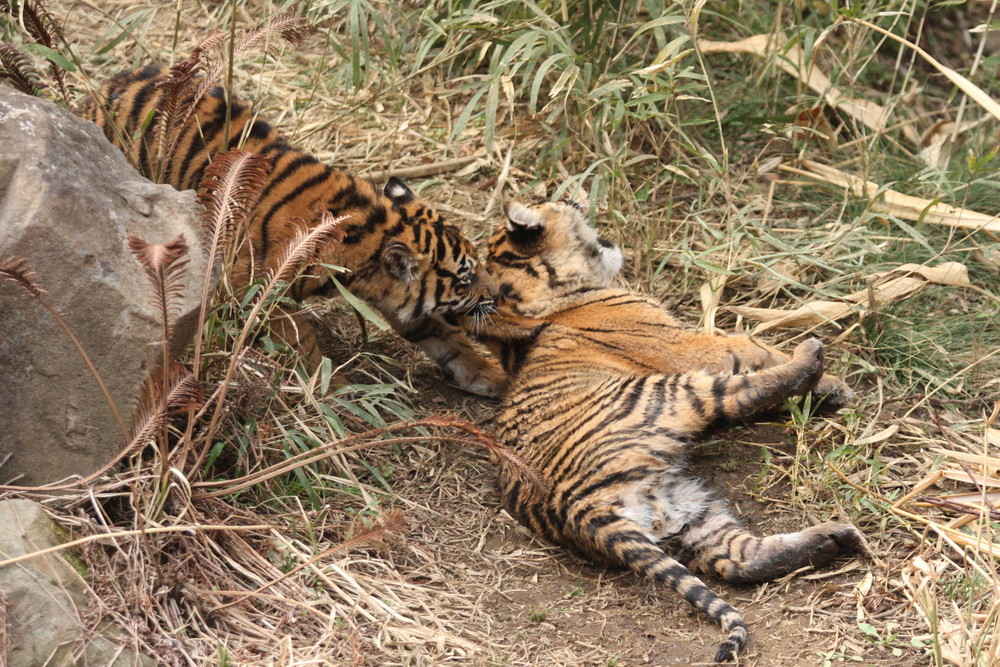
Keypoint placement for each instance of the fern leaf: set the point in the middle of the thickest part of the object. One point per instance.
(309, 246)
(18, 70)
(44, 29)
(207, 44)
(17, 270)
(164, 268)
(228, 193)
(289, 26)
(534, 484)
(183, 393)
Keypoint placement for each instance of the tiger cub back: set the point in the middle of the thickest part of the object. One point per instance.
(608, 392)
(401, 256)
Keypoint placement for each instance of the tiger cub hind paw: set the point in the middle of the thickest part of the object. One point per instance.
(828, 541)
(809, 355)
(833, 392)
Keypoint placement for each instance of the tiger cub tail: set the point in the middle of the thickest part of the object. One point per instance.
(626, 542)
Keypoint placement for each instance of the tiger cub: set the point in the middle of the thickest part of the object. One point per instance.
(418, 270)
(606, 395)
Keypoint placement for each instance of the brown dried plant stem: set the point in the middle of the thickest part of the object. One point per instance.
(16, 270)
(90, 365)
(129, 533)
(534, 483)
(394, 522)
(300, 252)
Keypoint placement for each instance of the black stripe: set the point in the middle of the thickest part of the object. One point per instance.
(199, 141)
(265, 221)
(134, 122)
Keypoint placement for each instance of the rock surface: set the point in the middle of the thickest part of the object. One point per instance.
(42, 600)
(67, 200)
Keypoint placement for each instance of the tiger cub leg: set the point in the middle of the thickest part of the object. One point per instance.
(720, 545)
(736, 354)
(295, 331)
(693, 401)
(450, 347)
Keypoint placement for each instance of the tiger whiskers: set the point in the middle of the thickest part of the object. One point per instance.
(481, 315)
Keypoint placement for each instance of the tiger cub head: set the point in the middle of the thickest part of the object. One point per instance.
(432, 267)
(548, 251)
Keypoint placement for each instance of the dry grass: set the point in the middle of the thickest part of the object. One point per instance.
(913, 464)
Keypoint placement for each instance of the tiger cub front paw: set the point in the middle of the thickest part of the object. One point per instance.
(489, 380)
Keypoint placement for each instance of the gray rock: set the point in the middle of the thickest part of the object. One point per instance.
(42, 599)
(67, 200)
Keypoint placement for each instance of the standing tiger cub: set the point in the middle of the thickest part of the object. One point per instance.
(607, 392)
(418, 270)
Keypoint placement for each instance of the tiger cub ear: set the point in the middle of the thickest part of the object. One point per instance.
(397, 191)
(400, 261)
(523, 223)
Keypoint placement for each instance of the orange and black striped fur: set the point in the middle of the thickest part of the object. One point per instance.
(608, 392)
(418, 270)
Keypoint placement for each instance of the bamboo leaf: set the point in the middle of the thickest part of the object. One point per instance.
(361, 307)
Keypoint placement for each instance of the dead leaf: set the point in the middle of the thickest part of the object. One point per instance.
(792, 61)
(978, 95)
(780, 273)
(988, 257)
(884, 434)
(886, 286)
(710, 294)
(895, 203)
(815, 312)
(942, 139)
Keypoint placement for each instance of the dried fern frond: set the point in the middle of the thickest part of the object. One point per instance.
(173, 105)
(179, 96)
(308, 247)
(177, 99)
(16, 68)
(533, 483)
(164, 269)
(208, 43)
(42, 27)
(164, 394)
(17, 270)
(289, 26)
(33, 18)
(228, 193)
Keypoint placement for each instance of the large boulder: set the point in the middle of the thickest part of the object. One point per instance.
(43, 599)
(67, 200)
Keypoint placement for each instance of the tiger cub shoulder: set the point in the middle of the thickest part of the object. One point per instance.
(402, 257)
(607, 393)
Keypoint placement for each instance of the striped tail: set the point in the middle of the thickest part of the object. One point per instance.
(625, 543)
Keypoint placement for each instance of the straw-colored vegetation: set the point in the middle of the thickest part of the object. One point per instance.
(827, 168)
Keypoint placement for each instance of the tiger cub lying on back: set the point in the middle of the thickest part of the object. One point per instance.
(607, 393)
(403, 258)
